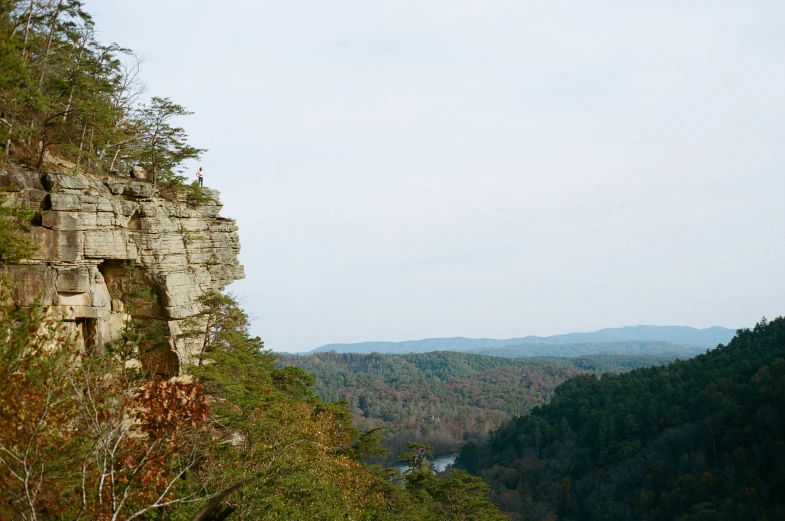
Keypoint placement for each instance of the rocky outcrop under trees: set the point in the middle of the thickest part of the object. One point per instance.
(100, 239)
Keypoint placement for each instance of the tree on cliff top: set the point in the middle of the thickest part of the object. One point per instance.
(163, 147)
(62, 92)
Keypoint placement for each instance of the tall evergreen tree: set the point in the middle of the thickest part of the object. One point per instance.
(163, 146)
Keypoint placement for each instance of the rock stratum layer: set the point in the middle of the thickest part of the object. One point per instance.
(95, 237)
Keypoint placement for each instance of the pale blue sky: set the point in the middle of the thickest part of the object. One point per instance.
(489, 168)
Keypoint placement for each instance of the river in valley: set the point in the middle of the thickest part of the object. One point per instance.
(439, 463)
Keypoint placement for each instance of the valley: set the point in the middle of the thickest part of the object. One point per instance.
(395, 171)
(445, 399)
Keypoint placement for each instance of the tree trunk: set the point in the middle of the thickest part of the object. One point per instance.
(88, 161)
(7, 145)
(81, 144)
(49, 39)
(42, 151)
(27, 33)
(116, 152)
(71, 93)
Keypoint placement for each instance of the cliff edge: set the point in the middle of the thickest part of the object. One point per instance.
(95, 235)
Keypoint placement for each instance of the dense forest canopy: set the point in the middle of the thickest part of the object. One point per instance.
(697, 439)
(70, 101)
(444, 399)
(630, 347)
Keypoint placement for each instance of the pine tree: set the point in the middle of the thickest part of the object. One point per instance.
(163, 147)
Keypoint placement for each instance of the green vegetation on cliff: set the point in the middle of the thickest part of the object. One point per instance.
(92, 434)
(694, 440)
(69, 99)
(13, 222)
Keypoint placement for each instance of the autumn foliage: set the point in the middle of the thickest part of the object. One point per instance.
(93, 437)
(83, 437)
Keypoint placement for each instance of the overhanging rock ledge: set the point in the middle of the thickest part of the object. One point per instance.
(92, 229)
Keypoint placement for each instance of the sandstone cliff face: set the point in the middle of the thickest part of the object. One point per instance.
(91, 230)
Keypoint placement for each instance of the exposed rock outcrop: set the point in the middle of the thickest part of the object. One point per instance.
(92, 233)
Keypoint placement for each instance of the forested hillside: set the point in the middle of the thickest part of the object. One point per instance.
(697, 439)
(93, 436)
(444, 399)
(630, 347)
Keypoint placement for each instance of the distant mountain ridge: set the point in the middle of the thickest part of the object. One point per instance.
(578, 349)
(683, 335)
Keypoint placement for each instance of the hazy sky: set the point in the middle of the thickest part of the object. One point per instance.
(409, 169)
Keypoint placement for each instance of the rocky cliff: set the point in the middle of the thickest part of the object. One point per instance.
(100, 239)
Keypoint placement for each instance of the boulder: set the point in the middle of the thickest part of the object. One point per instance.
(18, 181)
(65, 202)
(137, 172)
(63, 182)
(116, 187)
(140, 190)
(69, 221)
(33, 198)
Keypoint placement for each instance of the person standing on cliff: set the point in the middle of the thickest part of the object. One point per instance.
(200, 176)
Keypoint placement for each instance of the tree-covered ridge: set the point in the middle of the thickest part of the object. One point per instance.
(68, 98)
(630, 347)
(697, 439)
(443, 399)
